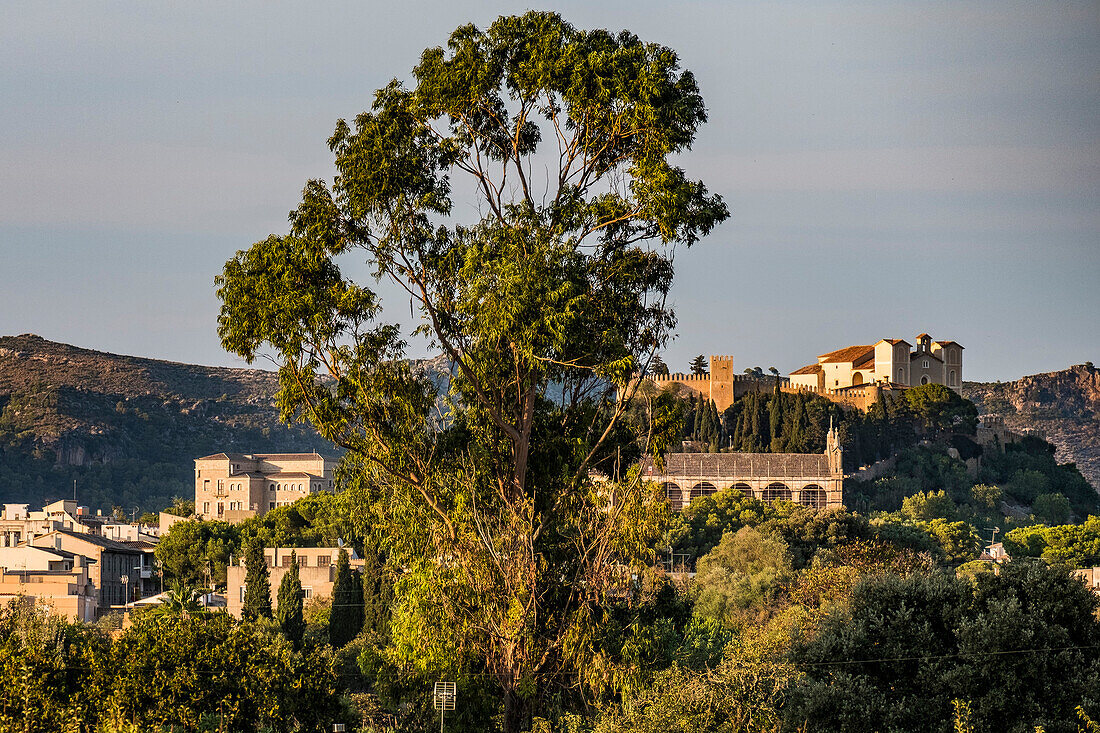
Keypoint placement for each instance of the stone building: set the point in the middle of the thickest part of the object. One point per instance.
(316, 570)
(889, 363)
(235, 486)
(720, 383)
(812, 479)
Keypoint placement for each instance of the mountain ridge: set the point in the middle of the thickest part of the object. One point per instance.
(1063, 406)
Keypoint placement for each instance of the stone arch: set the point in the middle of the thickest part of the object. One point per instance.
(857, 378)
(703, 488)
(776, 490)
(924, 380)
(743, 488)
(674, 495)
(951, 379)
(812, 496)
(901, 376)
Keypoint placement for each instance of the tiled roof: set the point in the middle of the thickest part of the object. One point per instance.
(849, 353)
(922, 336)
(924, 355)
(92, 539)
(949, 343)
(895, 342)
(737, 465)
(290, 474)
(868, 358)
(289, 456)
(226, 457)
(808, 369)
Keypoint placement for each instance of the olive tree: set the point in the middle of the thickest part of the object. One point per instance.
(546, 293)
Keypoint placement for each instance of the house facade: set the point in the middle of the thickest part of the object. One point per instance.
(316, 570)
(235, 486)
(120, 571)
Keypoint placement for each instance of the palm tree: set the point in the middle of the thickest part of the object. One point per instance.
(182, 600)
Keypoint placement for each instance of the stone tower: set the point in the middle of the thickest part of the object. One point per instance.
(721, 381)
(833, 450)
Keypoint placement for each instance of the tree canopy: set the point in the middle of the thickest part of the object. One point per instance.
(565, 139)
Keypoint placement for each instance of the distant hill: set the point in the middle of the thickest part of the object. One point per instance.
(1063, 406)
(125, 428)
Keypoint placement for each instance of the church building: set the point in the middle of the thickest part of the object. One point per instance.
(889, 362)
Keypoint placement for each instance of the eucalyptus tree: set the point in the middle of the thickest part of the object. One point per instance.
(546, 289)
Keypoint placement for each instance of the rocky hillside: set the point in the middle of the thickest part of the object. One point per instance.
(1062, 406)
(125, 428)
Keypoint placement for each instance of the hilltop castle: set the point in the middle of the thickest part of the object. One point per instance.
(854, 375)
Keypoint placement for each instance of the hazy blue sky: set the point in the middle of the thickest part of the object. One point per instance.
(891, 168)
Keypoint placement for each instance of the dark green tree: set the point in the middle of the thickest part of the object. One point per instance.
(699, 365)
(257, 583)
(657, 365)
(289, 612)
(559, 281)
(346, 618)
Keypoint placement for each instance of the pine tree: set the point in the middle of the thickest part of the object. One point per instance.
(698, 365)
(346, 618)
(658, 366)
(289, 611)
(257, 583)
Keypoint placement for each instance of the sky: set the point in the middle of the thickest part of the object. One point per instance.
(890, 168)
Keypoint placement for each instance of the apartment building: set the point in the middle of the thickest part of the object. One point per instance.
(316, 570)
(235, 486)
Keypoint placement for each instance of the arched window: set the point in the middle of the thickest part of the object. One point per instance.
(924, 380)
(703, 488)
(901, 376)
(777, 491)
(951, 378)
(812, 496)
(674, 495)
(743, 488)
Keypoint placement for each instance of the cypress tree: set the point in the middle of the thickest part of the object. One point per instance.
(346, 618)
(797, 442)
(775, 422)
(700, 412)
(257, 583)
(715, 427)
(289, 612)
(689, 418)
(377, 595)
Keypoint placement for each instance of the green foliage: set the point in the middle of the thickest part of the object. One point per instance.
(1017, 645)
(559, 284)
(738, 580)
(1051, 508)
(1075, 545)
(197, 553)
(257, 581)
(1028, 468)
(986, 496)
(700, 527)
(926, 506)
(347, 604)
(942, 409)
(698, 365)
(166, 670)
(289, 612)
